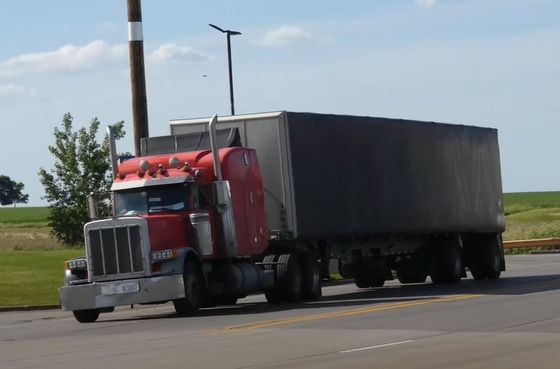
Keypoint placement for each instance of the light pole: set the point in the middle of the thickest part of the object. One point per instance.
(229, 33)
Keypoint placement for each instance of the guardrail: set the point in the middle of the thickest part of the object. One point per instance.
(524, 244)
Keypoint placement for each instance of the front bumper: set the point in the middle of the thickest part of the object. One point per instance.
(108, 294)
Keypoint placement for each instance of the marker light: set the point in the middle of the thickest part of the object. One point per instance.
(186, 166)
(158, 256)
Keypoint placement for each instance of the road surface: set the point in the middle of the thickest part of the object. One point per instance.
(509, 323)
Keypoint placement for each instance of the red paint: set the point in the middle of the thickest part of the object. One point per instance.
(171, 231)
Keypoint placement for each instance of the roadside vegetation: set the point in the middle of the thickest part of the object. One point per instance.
(31, 259)
(531, 215)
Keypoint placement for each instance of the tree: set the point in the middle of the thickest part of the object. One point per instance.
(82, 166)
(11, 192)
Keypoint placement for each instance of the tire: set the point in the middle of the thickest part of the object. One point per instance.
(406, 275)
(224, 300)
(487, 263)
(412, 270)
(311, 277)
(447, 264)
(369, 273)
(288, 286)
(192, 279)
(86, 316)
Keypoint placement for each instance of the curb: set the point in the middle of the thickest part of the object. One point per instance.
(28, 307)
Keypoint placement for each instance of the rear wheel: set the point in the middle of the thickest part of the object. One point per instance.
(86, 316)
(405, 275)
(192, 278)
(447, 263)
(486, 262)
(412, 270)
(288, 287)
(311, 277)
(369, 272)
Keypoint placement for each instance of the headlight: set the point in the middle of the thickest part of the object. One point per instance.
(158, 256)
(75, 264)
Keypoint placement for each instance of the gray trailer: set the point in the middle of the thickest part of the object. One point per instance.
(378, 194)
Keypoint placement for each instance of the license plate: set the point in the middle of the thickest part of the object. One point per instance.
(120, 288)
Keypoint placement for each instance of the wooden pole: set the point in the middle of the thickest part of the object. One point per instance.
(137, 73)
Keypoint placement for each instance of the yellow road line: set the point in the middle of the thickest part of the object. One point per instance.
(347, 313)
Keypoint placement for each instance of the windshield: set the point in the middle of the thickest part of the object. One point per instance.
(151, 200)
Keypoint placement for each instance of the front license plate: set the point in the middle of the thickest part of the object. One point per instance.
(120, 288)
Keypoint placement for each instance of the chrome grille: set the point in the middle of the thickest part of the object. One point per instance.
(116, 250)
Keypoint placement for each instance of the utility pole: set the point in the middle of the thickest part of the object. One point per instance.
(137, 73)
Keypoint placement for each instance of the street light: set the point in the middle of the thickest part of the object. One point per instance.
(229, 33)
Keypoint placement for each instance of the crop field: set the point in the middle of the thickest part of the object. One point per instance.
(31, 261)
(532, 215)
(25, 229)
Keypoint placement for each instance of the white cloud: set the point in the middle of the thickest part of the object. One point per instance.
(68, 58)
(16, 91)
(169, 52)
(284, 36)
(426, 3)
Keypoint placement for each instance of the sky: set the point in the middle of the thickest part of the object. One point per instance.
(492, 63)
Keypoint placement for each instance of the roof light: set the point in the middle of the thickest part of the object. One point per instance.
(144, 165)
(173, 162)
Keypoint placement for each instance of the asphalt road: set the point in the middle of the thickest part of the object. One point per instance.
(510, 323)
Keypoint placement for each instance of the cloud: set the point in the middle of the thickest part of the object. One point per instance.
(68, 58)
(284, 36)
(426, 3)
(16, 91)
(170, 52)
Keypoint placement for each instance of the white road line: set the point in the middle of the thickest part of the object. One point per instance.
(376, 346)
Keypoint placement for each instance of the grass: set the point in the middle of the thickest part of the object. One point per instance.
(26, 229)
(24, 216)
(532, 215)
(31, 261)
(32, 277)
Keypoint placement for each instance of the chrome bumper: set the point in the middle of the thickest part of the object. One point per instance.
(108, 294)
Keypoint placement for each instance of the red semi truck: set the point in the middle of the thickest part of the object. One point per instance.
(206, 216)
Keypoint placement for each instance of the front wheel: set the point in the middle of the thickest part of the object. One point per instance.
(86, 316)
(192, 278)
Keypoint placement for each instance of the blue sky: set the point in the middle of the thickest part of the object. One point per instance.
(492, 63)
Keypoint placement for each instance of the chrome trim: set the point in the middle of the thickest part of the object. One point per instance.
(113, 224)
(153, 289)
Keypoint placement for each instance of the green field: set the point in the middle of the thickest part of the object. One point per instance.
(31, 261)
(32, 277)
(532, 215)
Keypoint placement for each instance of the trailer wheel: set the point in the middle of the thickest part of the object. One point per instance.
(190, 304)
(447, 263)
(487, 262)
(369, 273)
(86, 316)
(412, 270)
(411, 275)
(311, 277)
(288, 281)
(224, 300)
